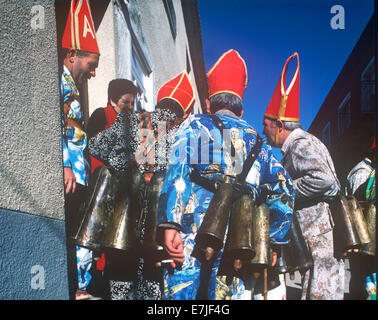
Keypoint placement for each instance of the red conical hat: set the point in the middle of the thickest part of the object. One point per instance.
(284, 104)
(229, 74)
(79, 33)
(179, 89)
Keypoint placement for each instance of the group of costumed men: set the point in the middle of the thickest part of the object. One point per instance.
(160, 202)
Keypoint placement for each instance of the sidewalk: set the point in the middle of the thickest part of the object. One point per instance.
(293, 287)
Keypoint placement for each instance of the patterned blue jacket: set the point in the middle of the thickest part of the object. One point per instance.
(74, 137)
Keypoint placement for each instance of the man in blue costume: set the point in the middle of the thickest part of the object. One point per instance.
(199, 147)
(80, 60)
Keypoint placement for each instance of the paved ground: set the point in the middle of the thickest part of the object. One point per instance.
(293, 287)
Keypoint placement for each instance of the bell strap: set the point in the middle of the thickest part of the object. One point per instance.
(251, 158)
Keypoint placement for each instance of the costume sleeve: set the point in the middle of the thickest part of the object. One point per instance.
(277, 187)
(66, 158)
(96, 122)
(116, 145)
(314, 176)
(101, 145)
(65, 102)
(177, 180)
(358, 176)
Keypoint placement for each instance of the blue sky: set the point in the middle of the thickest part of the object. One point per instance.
(267, 32)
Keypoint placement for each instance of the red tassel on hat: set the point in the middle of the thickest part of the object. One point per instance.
(229, 74)
(284, 104)
(79, 33)
(179, 89)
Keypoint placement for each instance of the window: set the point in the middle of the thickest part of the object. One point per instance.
(188, 68)
(326, 136)
(133, 59)
(170, 10)
(142, 78)
(343, 115)
(368, 88)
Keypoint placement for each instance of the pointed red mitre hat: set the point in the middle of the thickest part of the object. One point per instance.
(179, 89)
(284, 104)
(79, 33)
(229, 74)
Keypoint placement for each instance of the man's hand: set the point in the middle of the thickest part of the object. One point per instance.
(238, 264)
(174, 246)
(69, 180)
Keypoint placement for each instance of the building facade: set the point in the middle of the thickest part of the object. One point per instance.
(346, 120)
(148, 42)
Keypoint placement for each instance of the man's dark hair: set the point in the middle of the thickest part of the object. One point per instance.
(79, 53)
(171, 105)
(227, 101)
(118, 87)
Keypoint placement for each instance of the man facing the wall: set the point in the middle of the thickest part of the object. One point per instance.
(309, 163)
